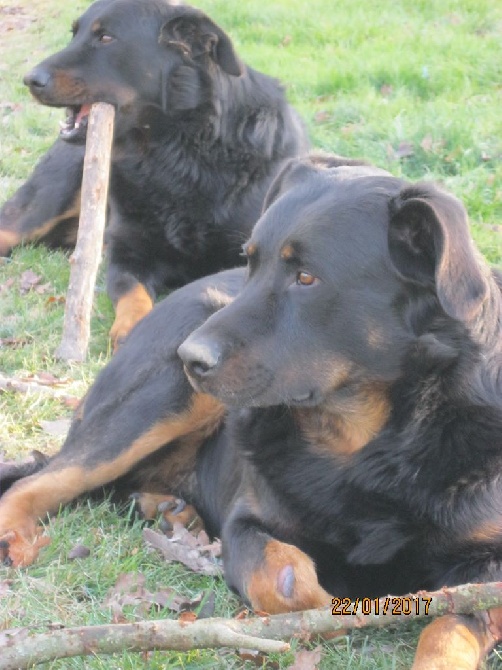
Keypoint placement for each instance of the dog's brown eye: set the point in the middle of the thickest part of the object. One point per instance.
(106, 39)
(305, 279)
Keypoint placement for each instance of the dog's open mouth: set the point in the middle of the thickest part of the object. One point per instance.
(75, 126)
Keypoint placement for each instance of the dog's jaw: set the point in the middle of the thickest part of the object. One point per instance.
(74, 128)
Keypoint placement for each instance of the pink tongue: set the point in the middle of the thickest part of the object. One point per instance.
(84, 111)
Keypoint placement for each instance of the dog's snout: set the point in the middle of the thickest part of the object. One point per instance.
(37, 78)
(200, 357)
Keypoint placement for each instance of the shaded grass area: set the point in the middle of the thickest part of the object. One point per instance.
(414, 87)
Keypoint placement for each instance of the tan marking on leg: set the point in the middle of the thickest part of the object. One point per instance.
(458, 642)
(72, 212)
(35, 496)
(130, 309)
(48, 226)
(8, 240)
(347, 428)
(286, 581)
(202, 418)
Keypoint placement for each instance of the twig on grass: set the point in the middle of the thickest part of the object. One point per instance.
(21, 648)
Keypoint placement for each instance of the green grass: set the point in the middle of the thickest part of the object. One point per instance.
(413, 86)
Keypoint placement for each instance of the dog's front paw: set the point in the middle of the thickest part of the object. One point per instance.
(20, 547)
(285, 581)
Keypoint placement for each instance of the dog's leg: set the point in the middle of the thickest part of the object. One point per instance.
(93, 459)
(130, 308)
(455, 642)
(171, 509)
(46, 207)
(271, 575)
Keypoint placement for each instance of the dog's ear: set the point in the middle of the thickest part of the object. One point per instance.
(430, 244)
(194, 32)
(181, 91)
(293, 173)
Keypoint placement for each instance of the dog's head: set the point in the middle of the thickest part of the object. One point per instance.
(349, 269)
(134, 54)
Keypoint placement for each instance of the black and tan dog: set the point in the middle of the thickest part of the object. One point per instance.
(198, 138)
(342, 432)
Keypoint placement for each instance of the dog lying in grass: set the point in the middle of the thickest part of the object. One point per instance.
(199, 137)
(333, 412)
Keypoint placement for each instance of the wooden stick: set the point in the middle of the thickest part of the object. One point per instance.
(89, 247)
(23, 647)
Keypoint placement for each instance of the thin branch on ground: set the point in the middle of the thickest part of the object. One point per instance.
(23, 647)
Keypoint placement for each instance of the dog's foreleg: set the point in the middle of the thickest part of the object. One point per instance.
(129, 309)
(455, 642)
(272, 576)
(86, 464)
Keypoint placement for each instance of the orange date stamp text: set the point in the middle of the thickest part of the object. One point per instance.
(392, 605)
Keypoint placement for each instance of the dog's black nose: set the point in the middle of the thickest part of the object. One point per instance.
(37, 78)
(200, 358)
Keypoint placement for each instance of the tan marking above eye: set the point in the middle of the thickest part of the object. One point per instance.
(305, 278)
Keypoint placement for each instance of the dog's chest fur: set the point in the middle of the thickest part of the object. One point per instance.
(365, 505)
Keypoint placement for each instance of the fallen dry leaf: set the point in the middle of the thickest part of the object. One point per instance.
(28, 281)
(79, 551)
(71, 401)
(54, 300)
(187, 617)
(45, 378)
(32, 384)
(184, 547)
(257, 658)
(15, 342)
(306, 660)
(404, 150)
(130, 590)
